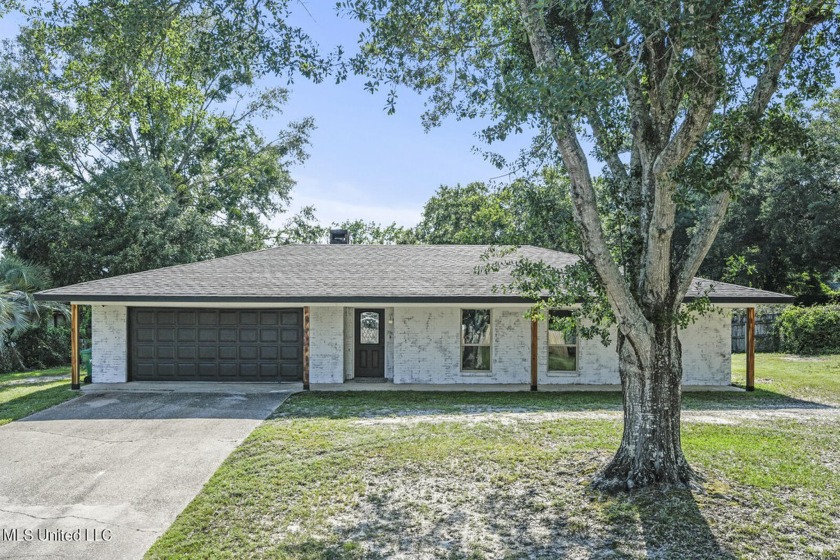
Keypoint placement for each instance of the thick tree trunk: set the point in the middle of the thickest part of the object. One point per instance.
(650, 452)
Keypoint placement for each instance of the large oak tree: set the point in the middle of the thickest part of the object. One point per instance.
(674, 95)
(129, 133)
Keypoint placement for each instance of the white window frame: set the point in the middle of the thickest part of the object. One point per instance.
(549, 346)
(489, 344)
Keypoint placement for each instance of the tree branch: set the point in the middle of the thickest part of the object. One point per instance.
(584, 199)
(657, 267)
(767, 83)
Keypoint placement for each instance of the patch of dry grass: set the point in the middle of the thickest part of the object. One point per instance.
(313, 486)
(431, 475)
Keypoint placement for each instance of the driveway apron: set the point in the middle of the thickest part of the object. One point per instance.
(104, 475)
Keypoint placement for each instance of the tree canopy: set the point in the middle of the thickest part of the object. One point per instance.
(127, 136)
(784, 223)
(525, 212)
(304, 228)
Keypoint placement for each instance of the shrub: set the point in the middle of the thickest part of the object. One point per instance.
(810, 330)
(41, 346)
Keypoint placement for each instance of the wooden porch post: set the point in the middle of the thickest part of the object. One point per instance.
(750, 349)
(534, 353)
(74, 347)
(306, 348)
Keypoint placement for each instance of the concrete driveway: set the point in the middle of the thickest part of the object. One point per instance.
(103, 475)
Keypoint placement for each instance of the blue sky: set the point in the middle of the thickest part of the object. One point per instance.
(365, 163)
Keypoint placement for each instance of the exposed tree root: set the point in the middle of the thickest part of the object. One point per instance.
(623, 474)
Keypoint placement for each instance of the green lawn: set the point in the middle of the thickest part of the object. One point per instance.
(21, 396)
(813, 378)
(435, 475)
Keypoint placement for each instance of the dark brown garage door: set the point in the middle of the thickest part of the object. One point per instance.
(216, 344)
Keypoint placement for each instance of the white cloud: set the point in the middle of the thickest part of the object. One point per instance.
(340, 201)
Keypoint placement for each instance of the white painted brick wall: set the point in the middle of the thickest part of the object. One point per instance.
(326, 344)
(422, 345)
(706, 346)
(427, 347)
(349, 347)
(427, 350)
(109, 359)
(511, 346)
(707, 350)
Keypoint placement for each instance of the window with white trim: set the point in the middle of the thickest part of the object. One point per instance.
(562, 346)
(476, 349)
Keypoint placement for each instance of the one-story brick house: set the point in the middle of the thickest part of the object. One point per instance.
(339, 313)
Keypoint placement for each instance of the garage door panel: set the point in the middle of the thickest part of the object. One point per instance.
(165, 318)
(209, 318)
(216, 345)
(229, 370)
(268, 335)
(186, 318)
(227, 335)
(249, 369)
(186, 370)
(207, 335)
(146, 351)
(247, 335)
(268, 318)
(145, 318)
(289, 372)
(165, 335)
(144, 369)
(288, 335)
(249, 352)
(227, 353)
(186, 335)
(146, 334)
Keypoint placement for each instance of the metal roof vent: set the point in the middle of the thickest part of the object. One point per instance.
(339, 237)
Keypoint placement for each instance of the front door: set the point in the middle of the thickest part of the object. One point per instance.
(370, 343)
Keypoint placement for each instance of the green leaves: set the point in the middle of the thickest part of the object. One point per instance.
(19, 311)
(127, 135)
(785, 218)
(674, 96)
(529, 212)
(811, 330)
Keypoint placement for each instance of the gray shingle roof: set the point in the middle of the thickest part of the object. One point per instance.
(342, 273)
